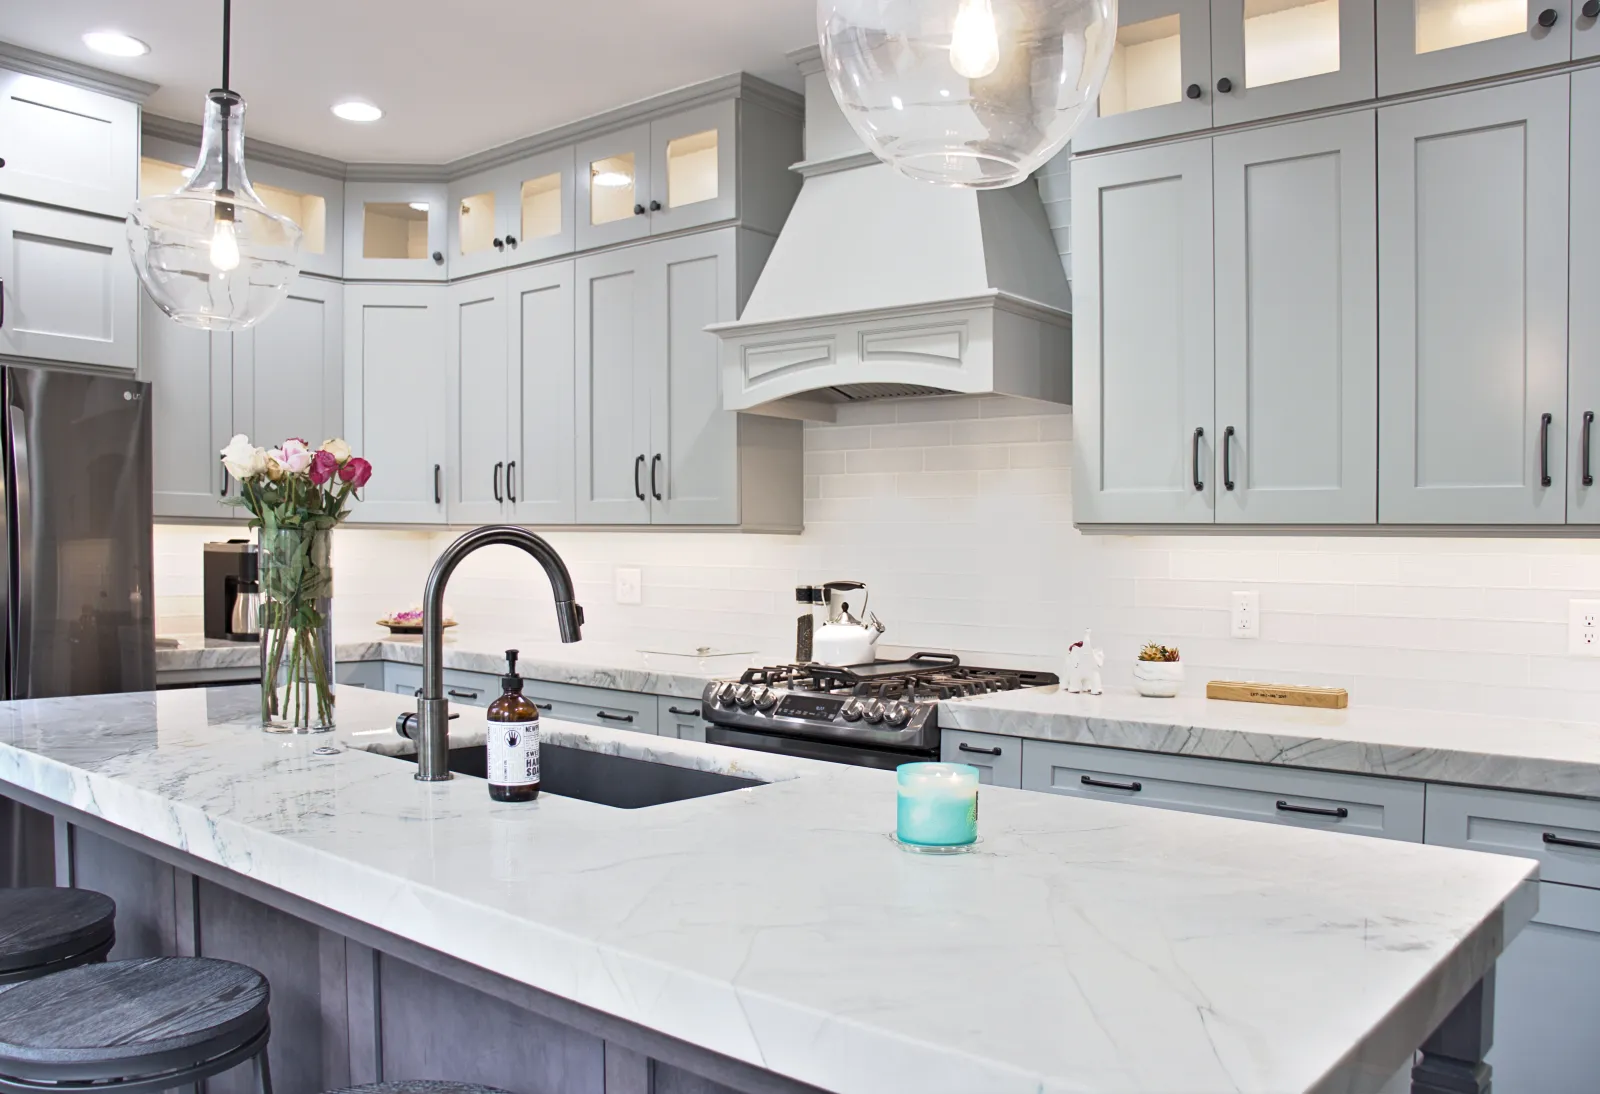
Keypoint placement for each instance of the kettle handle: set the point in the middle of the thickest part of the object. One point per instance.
(847, 586)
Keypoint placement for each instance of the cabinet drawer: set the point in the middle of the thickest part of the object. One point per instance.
(679, 718)
(360, 674)
(594, 706)
(1306, 799)
(402, 678)
(475, 689)
(1562, 833)
(998, 759)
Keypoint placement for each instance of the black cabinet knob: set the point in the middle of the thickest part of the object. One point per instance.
(511, 241)
(638, 210)
(1548, 17)
(499, 244)
(655, 206)
(1224, 85)
(1193, 91)
(1591, 10)
(438, 258)
(3, 162)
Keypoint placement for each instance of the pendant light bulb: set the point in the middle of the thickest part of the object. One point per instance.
(975, 40)
(224, 243)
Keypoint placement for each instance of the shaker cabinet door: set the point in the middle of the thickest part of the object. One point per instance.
(1280, 57)
(190, 373)
(1472, 200)
(617, 358)
(1583, 369)
(479, 410)
(288, 369)
(67, 290)
(539, 312)
(692, 168)
(1297, 323)
(67, 146)
(613, 184)
(1160, 80)
(1142, 362)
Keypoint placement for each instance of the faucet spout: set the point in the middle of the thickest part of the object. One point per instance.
(433, 709)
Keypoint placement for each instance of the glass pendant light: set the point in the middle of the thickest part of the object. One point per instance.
(212, 255)
(973, 93)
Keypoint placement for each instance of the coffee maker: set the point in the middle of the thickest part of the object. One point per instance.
(232, 591)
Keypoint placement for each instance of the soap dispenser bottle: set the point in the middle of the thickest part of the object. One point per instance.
(513, 740)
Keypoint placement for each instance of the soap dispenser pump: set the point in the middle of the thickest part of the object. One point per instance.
(513, 740)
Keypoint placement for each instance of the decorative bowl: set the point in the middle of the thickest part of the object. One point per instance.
(408, 626)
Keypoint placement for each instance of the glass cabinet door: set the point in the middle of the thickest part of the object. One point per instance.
(539, 216)
(614, 188)
(1430, 43)
(1159, 82)
(1273, 57)
(692, 159)
(396, 230)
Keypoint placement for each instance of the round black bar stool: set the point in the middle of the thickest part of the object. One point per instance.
(44, 930)
(419, 1086)
(133, 1027)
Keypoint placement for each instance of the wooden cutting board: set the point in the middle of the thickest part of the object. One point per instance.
(1288, 695)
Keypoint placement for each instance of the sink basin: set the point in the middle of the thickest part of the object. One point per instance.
(618, 781)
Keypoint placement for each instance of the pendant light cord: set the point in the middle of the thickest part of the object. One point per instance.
(227, 105)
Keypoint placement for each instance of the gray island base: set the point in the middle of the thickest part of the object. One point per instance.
(769, 938)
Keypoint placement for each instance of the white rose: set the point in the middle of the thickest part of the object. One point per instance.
(338, 449)
(243, 460)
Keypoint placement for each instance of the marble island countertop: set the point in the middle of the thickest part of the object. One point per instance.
(1541, 756)
(1086, 946)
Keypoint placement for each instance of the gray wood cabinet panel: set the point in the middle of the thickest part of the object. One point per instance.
(1547, 993)
(289, 368)
(395, 399)
(594, 706)
(998, 759)
(1417, 41)
(544, 432)
(147, 917)
(190, 373)
(427, 238)
(1151, 74)
(1281, 39)
(401, 678)
(69, 291)
(1142, 337)
(1472, 199)
(479, 406)
(1306, 799)
(1297, 323)
(617, 352)
(68, 146)
(360, 674)
(1583, 360)
(1506, 823)
(1585, 35)
(679, 718)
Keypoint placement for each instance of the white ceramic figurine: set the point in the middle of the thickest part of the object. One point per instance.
(1083, 667)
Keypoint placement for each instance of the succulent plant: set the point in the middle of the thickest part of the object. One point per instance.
(1154, 652)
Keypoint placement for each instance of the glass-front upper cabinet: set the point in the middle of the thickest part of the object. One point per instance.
(396, 230)
(1272, 57)
(614, 187)
(1159, 82)
(1429, 43)
(512, 215)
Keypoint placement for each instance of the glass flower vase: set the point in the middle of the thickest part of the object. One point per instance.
(296, 582)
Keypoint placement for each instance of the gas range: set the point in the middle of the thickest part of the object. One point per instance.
(880, 714)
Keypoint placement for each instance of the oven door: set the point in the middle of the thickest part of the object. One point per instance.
(834, 752)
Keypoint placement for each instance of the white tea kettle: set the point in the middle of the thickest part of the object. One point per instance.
(845, 639)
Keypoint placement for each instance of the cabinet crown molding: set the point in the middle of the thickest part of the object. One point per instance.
(188, 134)
(22, 59)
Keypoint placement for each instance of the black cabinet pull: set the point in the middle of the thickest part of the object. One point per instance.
(1107, 784)
(511, 481)
(544, 706)
(453, 693)
(1544, 449)
(655, 463)
(1338, 811)
(1547, 18)
(964, 747)
(438, 258)
(497, 469)
(683, 713)
(613, 717)
(1227, 458)
(1194, 91)
(511, 241)
(638, 210)
(1194, 458)
(2, 286)
(1591, 10)
(224, 483)
(1224, 85)
(638, 466)
(1563, 841)
(499, 244)
(1588, 427)
(438, 497)
(655, 206)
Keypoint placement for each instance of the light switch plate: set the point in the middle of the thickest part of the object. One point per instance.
(629, 585)
(1583, 628)
(1245, 619)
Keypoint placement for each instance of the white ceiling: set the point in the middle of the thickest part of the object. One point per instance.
(452, 79)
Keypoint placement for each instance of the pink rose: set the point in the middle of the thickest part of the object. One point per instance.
(296, 457)
(356, 472)
(323, 466)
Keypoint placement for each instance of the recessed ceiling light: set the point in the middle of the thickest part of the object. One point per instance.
(612, 178)
(419, 206)
(355, 111)
(115, 43)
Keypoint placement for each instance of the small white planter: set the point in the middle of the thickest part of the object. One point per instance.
(1158, 679)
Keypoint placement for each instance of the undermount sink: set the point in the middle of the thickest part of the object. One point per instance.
(618, 781)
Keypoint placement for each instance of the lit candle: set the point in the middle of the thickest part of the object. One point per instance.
(938, 804)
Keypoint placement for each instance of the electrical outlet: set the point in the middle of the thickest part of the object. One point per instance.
(1583, 628)
(1245, 619)
(629, 585)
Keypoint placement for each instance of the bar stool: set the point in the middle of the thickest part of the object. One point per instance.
(419, 1086)
(43, 931)
(133, 1027)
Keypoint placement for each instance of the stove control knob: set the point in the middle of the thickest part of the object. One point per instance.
(766, 699)
(745, 696)
(725, 694)
(873, 712)
(897, 715)
(851, 711)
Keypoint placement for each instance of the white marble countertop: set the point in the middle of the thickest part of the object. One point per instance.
(1086, 946)
(1474, 750)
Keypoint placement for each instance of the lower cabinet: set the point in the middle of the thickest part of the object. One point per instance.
(679, 718)
(568, 702)
(998, 759)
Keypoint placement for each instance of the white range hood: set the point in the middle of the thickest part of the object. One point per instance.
(879, 286)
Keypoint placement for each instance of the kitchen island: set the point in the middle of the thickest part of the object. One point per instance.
(770, 938)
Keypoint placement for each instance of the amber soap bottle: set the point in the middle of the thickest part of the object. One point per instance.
(513, 740)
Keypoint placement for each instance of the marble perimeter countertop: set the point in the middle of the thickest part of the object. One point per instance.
(1085, 945)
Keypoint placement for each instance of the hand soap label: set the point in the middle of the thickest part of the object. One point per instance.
(513, 753)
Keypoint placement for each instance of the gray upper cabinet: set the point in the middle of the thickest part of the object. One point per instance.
(1143, 350)
(395, 397)
(481, 400)
(288, 370)
(1472, 198)
(616, 353)
(540, 481)
(67, 146)
(1585, 32)
(513, 214)
(1275, 57)
(692, 168)
(67, 290)
(1583, 375)
(395, 231)
(1160, 80)
(191, 411)
(1297, 323)
(1432, 43)
(614, 182)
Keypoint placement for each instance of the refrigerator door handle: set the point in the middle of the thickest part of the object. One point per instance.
(20, 514)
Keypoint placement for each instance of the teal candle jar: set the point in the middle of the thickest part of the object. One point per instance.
(938, 805)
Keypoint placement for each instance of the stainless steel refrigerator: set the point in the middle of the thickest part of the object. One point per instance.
(75, 599)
